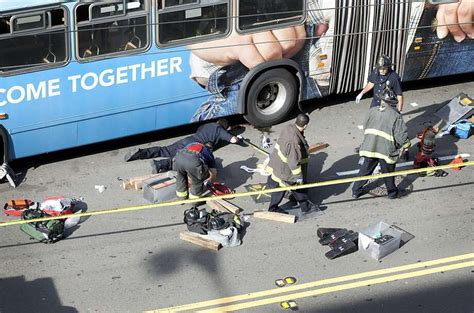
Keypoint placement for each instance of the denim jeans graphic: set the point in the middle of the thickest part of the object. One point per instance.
(224, 85)
(437, 57)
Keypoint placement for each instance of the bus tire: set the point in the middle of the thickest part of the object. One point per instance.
(271, 97)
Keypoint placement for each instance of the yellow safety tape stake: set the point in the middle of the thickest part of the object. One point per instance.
(243, 194)
(358, 284)
(259, 294)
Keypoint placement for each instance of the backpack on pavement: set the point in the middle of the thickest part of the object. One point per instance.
(45, 231)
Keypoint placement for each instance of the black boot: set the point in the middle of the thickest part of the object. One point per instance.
(160, 166)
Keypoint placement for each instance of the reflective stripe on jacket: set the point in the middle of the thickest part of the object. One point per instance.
(385, 133)
(289, 159)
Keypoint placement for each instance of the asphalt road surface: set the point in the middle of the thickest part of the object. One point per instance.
(134, 261)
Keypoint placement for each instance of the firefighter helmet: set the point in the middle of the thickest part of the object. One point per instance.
(388, 96)
(384, 62)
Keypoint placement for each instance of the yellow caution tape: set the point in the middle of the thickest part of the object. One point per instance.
(243, 194)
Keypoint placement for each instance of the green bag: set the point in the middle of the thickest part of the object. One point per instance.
(46, 231)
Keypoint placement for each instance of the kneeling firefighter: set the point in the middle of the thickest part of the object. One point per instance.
(197, 162)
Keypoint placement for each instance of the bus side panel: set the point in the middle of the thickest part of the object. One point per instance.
(116, 125)
(43, 139)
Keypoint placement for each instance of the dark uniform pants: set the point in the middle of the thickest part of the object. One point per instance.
(367, 168)
(188, 164)
(165, 152)
(301, 196)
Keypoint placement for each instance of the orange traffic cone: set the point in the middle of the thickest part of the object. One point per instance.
(457, 160)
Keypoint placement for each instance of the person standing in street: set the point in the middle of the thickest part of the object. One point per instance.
(381, 76)
(288, 166)
(210, 132)
(385, 138)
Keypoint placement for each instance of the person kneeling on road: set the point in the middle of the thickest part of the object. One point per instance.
(385, 138)
(288, 166)
(197, 162)
(210, 132)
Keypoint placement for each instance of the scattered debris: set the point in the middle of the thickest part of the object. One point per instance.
(100, 188)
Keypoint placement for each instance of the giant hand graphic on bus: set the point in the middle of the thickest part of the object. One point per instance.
(252, 49)
(256, 48)
(456, 19)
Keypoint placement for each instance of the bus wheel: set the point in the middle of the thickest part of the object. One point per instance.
(271, 97)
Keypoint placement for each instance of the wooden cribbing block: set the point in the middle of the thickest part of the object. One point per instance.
(214, 205)
(317, 147)
(197, 240)
(277, 217)
(167, 183)
(126, 184)
(137, 182)
(229, 206)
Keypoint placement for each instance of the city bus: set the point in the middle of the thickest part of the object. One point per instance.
(74, 73)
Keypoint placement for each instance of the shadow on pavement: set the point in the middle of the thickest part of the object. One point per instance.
(39, 295)
(171, 261)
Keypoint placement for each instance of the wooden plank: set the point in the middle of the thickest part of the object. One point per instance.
(126, 184)
(229, 206)
(197, 240)
(137, 182)
(317, 147)
(214, 205)
(277, 217)
(167, 183)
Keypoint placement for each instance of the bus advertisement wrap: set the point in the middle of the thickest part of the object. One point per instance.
(70, 69)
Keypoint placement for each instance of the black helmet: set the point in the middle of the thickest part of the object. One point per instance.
(217, 223)
(383, 62)
(191, 215)
(388, 96)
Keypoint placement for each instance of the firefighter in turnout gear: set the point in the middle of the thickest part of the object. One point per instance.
(385, 138)
(288, 166)
(197, 162)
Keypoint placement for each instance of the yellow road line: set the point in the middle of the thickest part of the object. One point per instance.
(242, 194)
(253, 295)
(359, 284)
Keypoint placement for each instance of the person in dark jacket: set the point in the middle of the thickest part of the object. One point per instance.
(385, 138)
(197, 162)
(381, 76)
(210, 132)
(288, 166)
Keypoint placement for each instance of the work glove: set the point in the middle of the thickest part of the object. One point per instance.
(240, 137)
(299, 181)
(265, 142)
(404, 154)
(359, 96)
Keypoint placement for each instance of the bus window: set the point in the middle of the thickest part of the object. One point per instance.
(109, 28)
(261, 14)
(33, 41)
(180, 21)
(170, 3)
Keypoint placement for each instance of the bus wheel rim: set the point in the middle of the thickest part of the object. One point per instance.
(271, 98)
